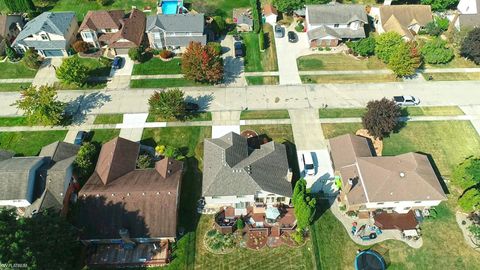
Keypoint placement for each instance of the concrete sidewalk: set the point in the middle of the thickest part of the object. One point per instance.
(132, 126)
(20, 80)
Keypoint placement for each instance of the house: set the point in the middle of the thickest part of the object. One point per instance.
(128, 211)
(392, 183)
(469, 14)
(10, 27)
(406, 20)
(99, 26)
(175, 31)
(130, 34)
(327, 25)
(270, 14)
(50, 34)
(236, 176)
(33, 184)
(242, 17)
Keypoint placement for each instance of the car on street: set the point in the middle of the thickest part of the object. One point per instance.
(292, 37)
(406, 100)
(117, 62)
(308, 164)
(191, 107)
(238, 49)
(279, 31)
(80, 137)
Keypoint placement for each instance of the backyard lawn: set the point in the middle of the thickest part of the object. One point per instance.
(349, 78)
(13, 87)
(162, 83)
(264, 114)
(217, 7)
(29, 143)
(255, 60)
(108, 119)
(156, 66)
(262, 80)
(452, 76)
(14, 71)
(337, 61)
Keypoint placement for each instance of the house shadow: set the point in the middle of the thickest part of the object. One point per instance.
(203, 102)
(437, 172)
(322, 206)
(78, 108)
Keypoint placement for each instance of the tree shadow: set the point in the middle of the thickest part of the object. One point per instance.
(203, 102)
(233, 68)
(84, 104)
(322, 206)
(148, 142)
(437, 172)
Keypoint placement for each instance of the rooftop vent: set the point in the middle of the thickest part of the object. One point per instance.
(113, 194)
(350, 181)
(402, 174)
(143, 193)
(128, 194)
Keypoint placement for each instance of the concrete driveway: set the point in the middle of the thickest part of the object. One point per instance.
(46, 73)
(287, 54)
(323, 180)
(233, 67)
(121, 77)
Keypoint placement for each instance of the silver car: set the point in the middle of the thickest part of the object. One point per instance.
(406, 100)
(279, 31)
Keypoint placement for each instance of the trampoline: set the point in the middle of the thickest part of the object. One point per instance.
(369, 260)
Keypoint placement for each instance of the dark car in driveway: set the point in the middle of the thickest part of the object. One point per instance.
(117, 62)
(80, 137)
(292, 37)
(238, 49)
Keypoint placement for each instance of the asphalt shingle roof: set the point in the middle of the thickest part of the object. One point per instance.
(336, 13)
(14, 176)
(176, 23)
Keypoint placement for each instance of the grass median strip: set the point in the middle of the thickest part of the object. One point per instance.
(349, 78)
(406, 111)
(452, 76)
(262, 80)
(13, 87)
(108, 119)
(201, 116)
(266, 114)
(154, 83)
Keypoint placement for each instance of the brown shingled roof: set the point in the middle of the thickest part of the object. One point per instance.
(133, 29)
(102, 19)
(117, 157)
(269, 10)
(398, 18)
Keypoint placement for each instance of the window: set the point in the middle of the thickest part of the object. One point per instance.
(241, 196)
(380, 203)
(336, 25)
(156, 35)
(406, 208)
(87, 35)
(44, 37)
(280, 199)
(418, 202)
(108, 30)
(259, 200)
(216, 197)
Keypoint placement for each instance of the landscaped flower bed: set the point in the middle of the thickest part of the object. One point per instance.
(219, 243)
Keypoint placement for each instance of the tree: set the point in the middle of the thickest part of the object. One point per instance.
(381, 117)
(11, 53)
(240, 224)
(433, 29)
(257, 24)
(216, 46)
(475, 230)
(303, 203)
(20, 6)
(80, 46)
(467, 176)
(288, 6)
(202, 64)
(136, 53)
(144, 161)
(71, 71)
(167, 104)
(435, 51)
(440, 5)
(218, 25)
(470, 200)
(470, 47)
(261, 40)
(84, 163)
(40, 106)
(44, 241)
(364, 47)
(31, 59)
(405, 60)
(386, 44)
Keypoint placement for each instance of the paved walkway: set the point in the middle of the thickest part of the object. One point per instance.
(20, 80)
(132, 126)
(262, 73)
(473, 111)
(342, 72)
(46, 73)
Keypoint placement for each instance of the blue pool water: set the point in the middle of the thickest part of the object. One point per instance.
(169, 7)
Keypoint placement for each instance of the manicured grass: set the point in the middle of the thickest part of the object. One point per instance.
(29, 143)
(266, 114)
(278, 133)
(406, 111)
(203, 116)
(16, 70)
(341, 113)
(349, 78)
(262, 80)
(222, 8)
(183, 138)
(337, 62)
(453, 76)
(86, 86)
(108, 119)
(104, 135)
(255, 60)
(457, 62)
(156, 66)
(13, 87)
(162, 83)
(13, 121)
(97, 67)
(334, 130)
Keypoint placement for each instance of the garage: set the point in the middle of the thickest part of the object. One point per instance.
(121, 51)
(53, 53)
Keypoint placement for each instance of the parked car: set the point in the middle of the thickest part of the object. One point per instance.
(80, 137)
(117, 62)
(292, 37)
(191, 107)
(279, 31)
(238, 49)
(308, 164)
(406, 100)
(237, 37)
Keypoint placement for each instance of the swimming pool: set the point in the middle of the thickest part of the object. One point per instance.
(170, 7)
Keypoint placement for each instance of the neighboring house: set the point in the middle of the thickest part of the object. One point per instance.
(270, 14)
(99, 26)
(242, 17)
(33, 184)
(10, 27)
(328, 25)
(406, 20)
(127, 211)
(394, 183)
(130, 34)
(469, 14)
(237, 176)
(50, 34)
(175, 31)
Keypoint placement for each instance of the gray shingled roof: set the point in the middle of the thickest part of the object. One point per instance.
(59, 150)
(230, 170)
(184, 41)
(176, 23)
(51, 22)
(336, 13)
(340, 33)
(14, 176)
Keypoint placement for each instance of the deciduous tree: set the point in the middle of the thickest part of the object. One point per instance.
(381, 117)
(31, 59)
(202, 64)
(304, 204)
(167, 104)
(80, 46)
(84, 163)
(71, 71)
(440, 5)
(405, 60)
(470, 47)
(467, 176)
(364, 47)
(435, 51)
(386, 45)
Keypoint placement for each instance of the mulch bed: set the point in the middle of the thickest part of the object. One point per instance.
(256, 240)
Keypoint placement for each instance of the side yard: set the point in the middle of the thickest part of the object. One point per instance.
(255, 60)
(29, 143)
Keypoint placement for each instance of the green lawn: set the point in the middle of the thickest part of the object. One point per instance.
(13, 87)
(255, 60)
(203, 116)
(262, 80)
(162, 83)
(278, 133)
(104, 135)
(410, 111)
(449, 143)
(337, 62)
(13, 121)
(29, 143)
(97, 67)
(457, 62)
(341, 113)
(349, 78)
(86, 86)
(217, 7)
(453, 76)
(264, 114)
(14, 71)
(156, 66)
(184, 138)
(108, 119)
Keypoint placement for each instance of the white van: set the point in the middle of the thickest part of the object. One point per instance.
(308, 164)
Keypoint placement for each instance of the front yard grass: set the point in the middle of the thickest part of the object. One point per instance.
(13, 121)
(278, 133)
(108, 119)
(349, 78)
(202, 116)
(264, 114)
(162, 83)
(337, 61)
(29, 143)
(262, 80)
(156, 66)
(255, 60)
(13, 87)
(97, 67)
(104, 135)
(15, 71)
(406, 111)
(452, 76)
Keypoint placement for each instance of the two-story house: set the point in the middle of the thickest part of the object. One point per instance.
(237, 176)
(406, 20)
(10, 27)
(468, 14)
(50, 34)
(327, 25)
(175, 31)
